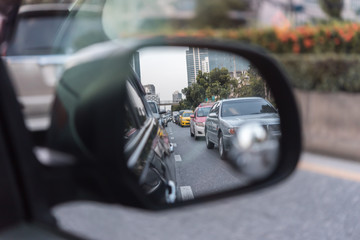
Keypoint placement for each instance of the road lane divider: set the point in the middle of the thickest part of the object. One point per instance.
(177, 158)
(329, 171)
(186, 193)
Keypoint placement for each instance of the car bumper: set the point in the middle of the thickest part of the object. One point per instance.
(227, 142)
(199, 131)
(185, 123)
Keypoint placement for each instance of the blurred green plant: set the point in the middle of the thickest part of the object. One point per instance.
(325, 72)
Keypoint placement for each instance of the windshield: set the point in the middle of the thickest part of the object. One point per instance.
(153, 107)
(203, 112)
(187, 114)
(27, 40)
(247, 107)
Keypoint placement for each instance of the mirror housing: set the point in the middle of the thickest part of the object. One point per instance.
(213, 115)
(87, 124)
(192, 116)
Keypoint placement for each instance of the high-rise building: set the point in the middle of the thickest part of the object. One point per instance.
(206, 60)
(194, 62)
(149, 89)
(177, 97)
(232, 62)
(151, 93)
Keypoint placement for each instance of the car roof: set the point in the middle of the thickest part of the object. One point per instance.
(44, 7)
(208, 104)
(243, 99)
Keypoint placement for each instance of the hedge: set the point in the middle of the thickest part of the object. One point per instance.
(323, 72)
(318, 57)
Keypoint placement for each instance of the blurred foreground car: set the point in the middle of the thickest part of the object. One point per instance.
(197, 120)
(227, 115)
(34, 65)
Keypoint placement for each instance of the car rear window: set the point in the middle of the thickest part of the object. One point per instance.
(245, 107)
(35, 35)
(153, 107)
(203, 112)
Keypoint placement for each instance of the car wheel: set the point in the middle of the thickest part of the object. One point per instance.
(191, 134)
(209, 144)
(222, 151)
(196, 137)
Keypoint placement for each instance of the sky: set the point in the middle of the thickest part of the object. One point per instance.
(165, 67)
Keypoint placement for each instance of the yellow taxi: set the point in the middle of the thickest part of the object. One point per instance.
(185, 118)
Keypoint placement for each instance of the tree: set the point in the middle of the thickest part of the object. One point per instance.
(217, 83)
(332, 8)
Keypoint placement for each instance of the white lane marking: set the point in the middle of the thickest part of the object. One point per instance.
(172, 138)
(186, 193)
(177, 158)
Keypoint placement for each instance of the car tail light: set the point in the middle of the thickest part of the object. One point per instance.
(232, 131)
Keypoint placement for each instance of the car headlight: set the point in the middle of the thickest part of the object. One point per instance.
(200, 124)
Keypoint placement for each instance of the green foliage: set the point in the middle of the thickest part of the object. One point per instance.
(332, 8)
(220, 85)
(217, 83)
(326, 72)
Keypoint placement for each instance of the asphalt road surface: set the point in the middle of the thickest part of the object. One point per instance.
(320, 201)
(199, 171)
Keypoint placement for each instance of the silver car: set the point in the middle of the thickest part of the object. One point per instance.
(227, 115)
(32, 62)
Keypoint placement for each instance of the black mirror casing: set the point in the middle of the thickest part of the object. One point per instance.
(94, 125)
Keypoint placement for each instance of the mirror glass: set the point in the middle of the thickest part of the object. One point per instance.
(231, 140)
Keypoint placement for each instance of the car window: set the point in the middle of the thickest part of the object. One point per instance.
(137, 105)
(240, 108)
(203, 112)
(153, 107)
(187, 114)
(26, 39)
(130, 125)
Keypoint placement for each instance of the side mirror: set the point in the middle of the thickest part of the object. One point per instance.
(213, 115)
(192, 116)
(98, 117)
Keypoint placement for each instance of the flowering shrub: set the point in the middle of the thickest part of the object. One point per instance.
(338, 37)
(321, 57)
(323, 72)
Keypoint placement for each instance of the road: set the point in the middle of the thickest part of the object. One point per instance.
(199, 171)
(320, 201)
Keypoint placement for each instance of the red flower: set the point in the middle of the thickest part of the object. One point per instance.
(296, 48)
(308, 43)
(337, 41)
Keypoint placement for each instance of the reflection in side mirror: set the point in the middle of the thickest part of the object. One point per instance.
(224, 146)
(108, 117)
(254, 151)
